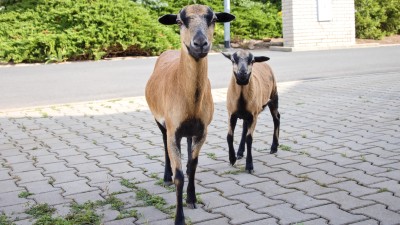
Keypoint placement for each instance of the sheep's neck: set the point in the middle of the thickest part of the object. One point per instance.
(193, 76)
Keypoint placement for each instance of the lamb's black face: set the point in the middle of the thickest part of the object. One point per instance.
(242, 62)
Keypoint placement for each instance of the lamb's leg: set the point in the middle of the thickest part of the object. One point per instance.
(249, 141)
(229, 138)
(242, 141)
(198, 141)
(167, 169)
(273, 108)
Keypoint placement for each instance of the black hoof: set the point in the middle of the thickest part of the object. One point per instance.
(274, 149)
(232, 160)
(239, 156)
(179, 221)
(250, 171)
(191, 205)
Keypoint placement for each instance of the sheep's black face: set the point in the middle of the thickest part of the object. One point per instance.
(243, 64)
(196, 24)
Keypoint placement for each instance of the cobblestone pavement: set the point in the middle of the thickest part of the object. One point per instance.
(338, 163)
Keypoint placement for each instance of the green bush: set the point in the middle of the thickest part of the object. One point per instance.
(255, 19)
(59, 30)
(376, 19)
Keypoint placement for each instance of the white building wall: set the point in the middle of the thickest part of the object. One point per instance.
(301, 27)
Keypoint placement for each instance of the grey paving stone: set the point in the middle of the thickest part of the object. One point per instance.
(295, 168)
(368, 168)
(122, 167)
(215, 200)
(282, 177)
(366, 222)
(229, 188)
(380, 213)
(255, 200)
(299, 200)
(340, 160)
(353, 188)
(319, 221)
(378, 161)
(107, 159)
(199, 215)
(311, 188)
(345, 201)
(55, 167)
(210, 177)
(270, 188)
(20, 158)
(218, 221)
(386, 198)
(240, 218)
(362, 178)
(393, 174)
(111, 187)
(335, 215)
(323, 178)
(286, 214)
(23, 167)
(75, 187)
(5, 174)
(331, 168)
(11, 199)
(65, 176)
(38, 187)
(76, 159)
(83, 197)
(269, 221)
(126, 221)
(51, 198)
(305, 160)
(150, 214)
(271, 159)
(88, 167)
(390, 185)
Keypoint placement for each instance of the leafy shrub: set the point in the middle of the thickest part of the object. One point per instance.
(255, 19)
(375, 19)
(57, 30)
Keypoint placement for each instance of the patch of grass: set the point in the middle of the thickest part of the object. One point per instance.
(115, 202)
(160, 182)
(304, 135)
(343, 154)
(154, 175)
(234, 172)
(304, 152)
(126, 214)
(4, 220)
(128, 184)
(24, 194)
(211, 155)
(300, 103)
(363, 158)
(285, 147)
(151, 157)
(115, 100)
(51, 181)
(45, 115)
(84, 214)
(382, 190)
(40, 210)
(321, 184)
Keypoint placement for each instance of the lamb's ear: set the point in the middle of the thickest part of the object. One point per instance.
(168, 19)
(227, 55)
(224, 17)
(260, 58)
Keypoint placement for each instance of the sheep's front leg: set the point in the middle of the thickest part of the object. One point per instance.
(198, 142)
(174, 146)
(167, 169)
(273, 108)
(249, 142)
(229, 138)
(242, 141)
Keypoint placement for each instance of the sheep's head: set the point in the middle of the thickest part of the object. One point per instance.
(196, 24)
(243, 64)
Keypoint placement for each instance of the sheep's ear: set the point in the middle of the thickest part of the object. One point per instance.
(168, 19)
(260, 58)
(224, 17)
(227, 55)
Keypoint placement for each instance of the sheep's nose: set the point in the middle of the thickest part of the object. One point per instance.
(200, 42)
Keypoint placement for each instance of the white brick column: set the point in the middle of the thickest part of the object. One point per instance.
(316, 24)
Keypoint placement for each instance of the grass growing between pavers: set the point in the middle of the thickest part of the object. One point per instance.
(4, 220)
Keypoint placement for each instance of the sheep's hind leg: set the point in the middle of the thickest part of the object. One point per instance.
(273, 107)
(242, 141)
(229, 138)
(167, 169)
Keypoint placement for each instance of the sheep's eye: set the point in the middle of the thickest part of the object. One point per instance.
(179, 22)
(214, 20)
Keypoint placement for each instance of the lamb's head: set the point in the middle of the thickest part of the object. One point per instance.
(196, 24)
(243, 64)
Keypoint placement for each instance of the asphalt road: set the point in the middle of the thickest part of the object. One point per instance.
(35, 85)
